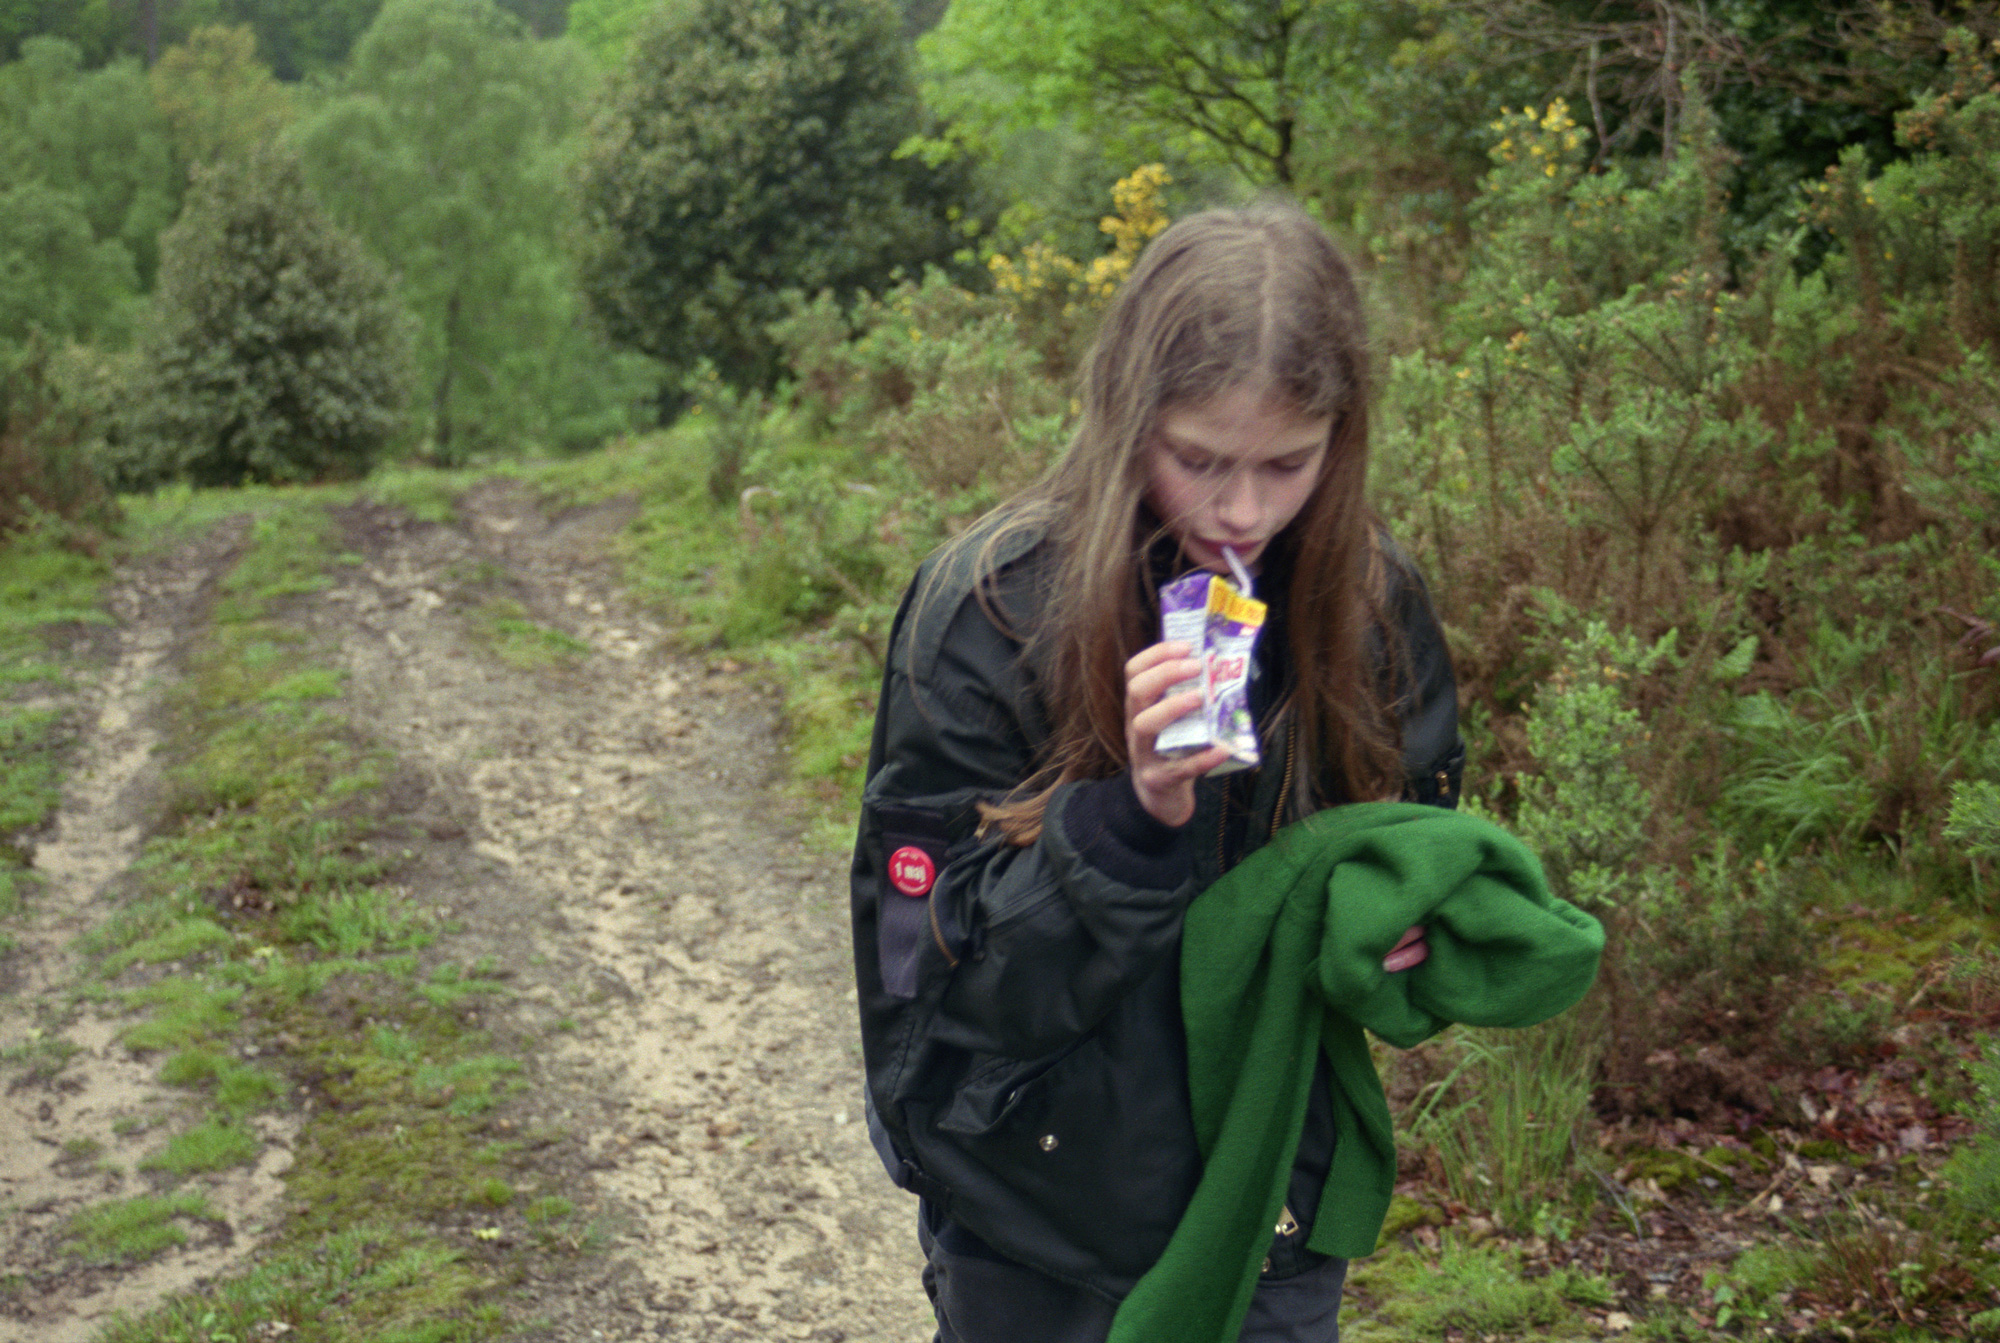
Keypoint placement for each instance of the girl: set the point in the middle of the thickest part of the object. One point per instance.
(1025, 854)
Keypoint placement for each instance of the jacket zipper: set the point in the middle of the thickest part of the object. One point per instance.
(1277, 811)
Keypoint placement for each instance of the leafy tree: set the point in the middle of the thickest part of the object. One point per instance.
(545, 18)
(55, 276)
(94, 134)
(607, 27)
(278, 352)
(746, 150)
(219, 101)
(445, 149)
(100, 29)
(1236, 77)
(298, 37)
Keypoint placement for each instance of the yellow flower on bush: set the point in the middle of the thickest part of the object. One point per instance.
(1041, 271)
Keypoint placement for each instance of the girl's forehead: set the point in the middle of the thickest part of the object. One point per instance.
(1240, 417)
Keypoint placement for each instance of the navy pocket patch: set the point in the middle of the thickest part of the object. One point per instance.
(914, 843)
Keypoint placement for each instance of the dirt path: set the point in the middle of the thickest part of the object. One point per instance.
(60, 1113)
(606, 828)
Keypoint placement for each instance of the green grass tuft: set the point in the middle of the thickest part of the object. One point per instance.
(1474, 1291)
(523, 644)
(214, 1145)
(133, 1228)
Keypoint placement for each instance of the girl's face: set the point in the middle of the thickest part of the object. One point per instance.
(1233, 471)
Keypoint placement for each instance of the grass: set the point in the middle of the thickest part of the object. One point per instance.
(1503, 1119)
(134, 1228)
(1466, 1290)
(364, 1284)
(212, 1145)
(44, 585)
(521, 643)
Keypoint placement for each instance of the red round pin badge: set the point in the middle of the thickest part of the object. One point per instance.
(911, 871)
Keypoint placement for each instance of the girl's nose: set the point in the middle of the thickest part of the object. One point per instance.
(1238, 507)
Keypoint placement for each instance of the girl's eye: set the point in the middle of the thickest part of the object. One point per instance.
(1289, 466)
(1197, 466)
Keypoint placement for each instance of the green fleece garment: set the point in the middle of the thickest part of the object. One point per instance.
(1283, 957)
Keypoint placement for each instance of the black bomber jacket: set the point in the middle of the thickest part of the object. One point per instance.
(1020, 1006)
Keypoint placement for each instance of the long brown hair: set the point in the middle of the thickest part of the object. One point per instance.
(1257, 297)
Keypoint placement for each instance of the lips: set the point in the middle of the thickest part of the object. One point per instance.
(1246, 551)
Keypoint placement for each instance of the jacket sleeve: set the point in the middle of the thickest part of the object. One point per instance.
(1030, 946)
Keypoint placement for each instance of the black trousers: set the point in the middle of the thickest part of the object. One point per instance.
(986, 1299)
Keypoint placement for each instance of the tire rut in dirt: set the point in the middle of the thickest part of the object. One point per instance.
(609, 833)
(72, 1105)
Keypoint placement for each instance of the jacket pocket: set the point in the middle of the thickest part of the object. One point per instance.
(1101, 1147)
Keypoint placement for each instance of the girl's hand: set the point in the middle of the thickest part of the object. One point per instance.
(1165, 784)
(1410, 950)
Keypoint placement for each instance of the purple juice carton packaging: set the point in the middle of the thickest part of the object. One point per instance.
(1220, 623)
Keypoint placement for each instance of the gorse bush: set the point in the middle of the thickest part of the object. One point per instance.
(1973, 1174)
(1585, 809)
(278, 351)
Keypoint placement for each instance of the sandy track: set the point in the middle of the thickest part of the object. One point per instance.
(608, 830)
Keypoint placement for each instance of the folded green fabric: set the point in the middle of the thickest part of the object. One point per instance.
(1283, 957)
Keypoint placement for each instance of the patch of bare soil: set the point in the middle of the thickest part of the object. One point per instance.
(608, 829)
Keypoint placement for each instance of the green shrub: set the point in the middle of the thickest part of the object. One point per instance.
(746, 149)
(1585, 810)
(936, 375)
(279, 354)
(50, 466)
(1973, 1173)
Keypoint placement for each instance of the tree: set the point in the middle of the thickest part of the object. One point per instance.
(278, 353)
(1238, 78)
(218, 99)
(56, 278)
(445, 149)
(607, 27)
(94, 134)
(749, 149)
(298, 37)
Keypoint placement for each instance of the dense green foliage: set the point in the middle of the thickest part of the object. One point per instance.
(445, 149)
(219, 101)
(279, 353)
(748, 149)
(88, 145)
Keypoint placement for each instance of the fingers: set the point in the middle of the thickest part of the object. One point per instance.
(1410, 950)
(1154, 671)
(1165, 784)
